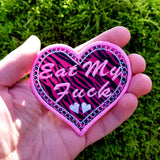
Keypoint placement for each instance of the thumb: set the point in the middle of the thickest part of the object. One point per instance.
(18, 63)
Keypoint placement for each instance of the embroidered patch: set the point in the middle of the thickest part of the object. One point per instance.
(80, 88)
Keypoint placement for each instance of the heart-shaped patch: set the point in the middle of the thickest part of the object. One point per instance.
(80, 88)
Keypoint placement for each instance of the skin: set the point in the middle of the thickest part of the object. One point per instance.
(30, 131)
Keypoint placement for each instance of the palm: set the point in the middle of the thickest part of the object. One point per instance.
(33, 129)
(30, 131)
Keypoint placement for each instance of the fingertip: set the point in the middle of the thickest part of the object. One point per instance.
(140, 85)
(18, 63)
(130, 99)
(35, 39)
(138, 63)
(33, 43)
(149, 82)
(120, 35)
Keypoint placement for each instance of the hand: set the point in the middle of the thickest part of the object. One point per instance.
(30, 131)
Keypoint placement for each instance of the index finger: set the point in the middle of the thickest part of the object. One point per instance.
(118, 35)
